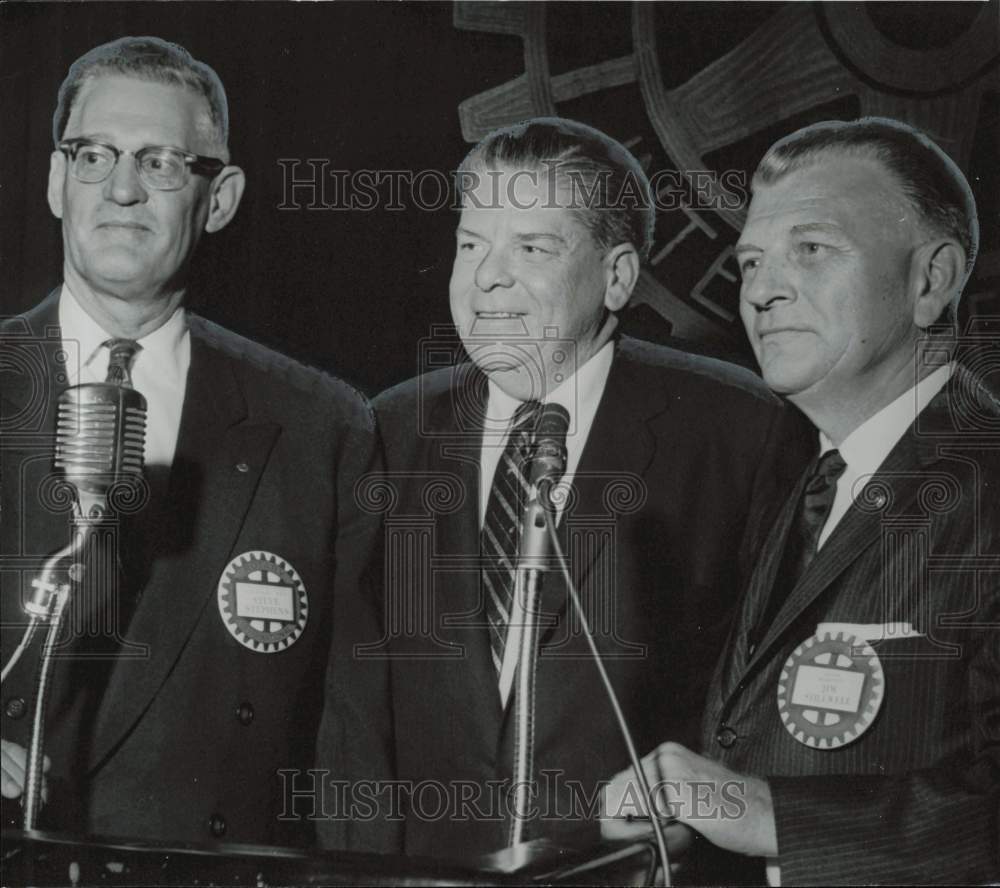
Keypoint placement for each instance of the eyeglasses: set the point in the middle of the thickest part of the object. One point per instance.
(162, 168)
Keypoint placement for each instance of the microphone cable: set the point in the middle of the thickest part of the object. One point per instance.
(661, 842)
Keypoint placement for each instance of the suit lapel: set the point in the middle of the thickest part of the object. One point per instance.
(765, 574)
(621, 443)
(219, 460)
(32, 525)
(33, 378)
(888, 493)
(459, 598)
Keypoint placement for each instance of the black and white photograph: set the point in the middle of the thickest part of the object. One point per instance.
(499, 443)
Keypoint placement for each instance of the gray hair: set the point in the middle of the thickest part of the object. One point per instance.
(151, 59)
(928, 178)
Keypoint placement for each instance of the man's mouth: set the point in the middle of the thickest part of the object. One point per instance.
(131, 226)
(777, 331)
(499, 325)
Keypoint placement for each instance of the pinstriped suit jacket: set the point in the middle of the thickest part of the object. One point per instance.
(916, 797)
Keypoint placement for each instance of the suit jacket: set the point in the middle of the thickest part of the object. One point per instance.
(679, 449)
(915, 798)
(178, 730)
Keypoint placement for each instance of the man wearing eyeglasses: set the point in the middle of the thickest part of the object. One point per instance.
(204, 680)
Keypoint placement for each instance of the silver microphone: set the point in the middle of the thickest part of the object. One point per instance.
(548, 458)
(100, 437)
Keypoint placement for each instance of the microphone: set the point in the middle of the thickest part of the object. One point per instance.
(548, 461)
(100, 436)
(548, 465)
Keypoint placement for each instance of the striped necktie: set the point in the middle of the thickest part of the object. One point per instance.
(502, 527)
(123, 351)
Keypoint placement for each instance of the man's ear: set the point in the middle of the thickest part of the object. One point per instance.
(621, 266)
(937, 273)
(227, 190)
(57, 179)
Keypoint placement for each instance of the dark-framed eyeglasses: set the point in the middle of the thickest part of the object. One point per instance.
(160, 167)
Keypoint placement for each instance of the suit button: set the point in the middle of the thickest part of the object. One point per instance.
(244, 713)
(217, 825)
(15, 707)
(726, 737)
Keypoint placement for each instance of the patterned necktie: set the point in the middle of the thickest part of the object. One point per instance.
(501, 527)
(123, 351)
(817, 500)
(803, 536)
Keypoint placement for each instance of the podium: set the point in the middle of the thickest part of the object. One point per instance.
(53, 859)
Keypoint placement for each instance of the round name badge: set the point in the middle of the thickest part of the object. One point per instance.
(830, 690)
(263, 602)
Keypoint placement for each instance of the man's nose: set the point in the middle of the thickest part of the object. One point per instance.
(770, 285)
(493, 270)
(124, 186)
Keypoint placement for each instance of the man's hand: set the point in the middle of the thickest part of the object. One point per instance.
(731, 810)
(15, 761)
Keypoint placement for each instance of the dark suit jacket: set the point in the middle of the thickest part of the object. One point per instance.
(915, 799)
(179, 732)
(679, 449)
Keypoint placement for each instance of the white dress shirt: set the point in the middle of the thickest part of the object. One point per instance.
(159, 369)
(580, 395)
(866, 448)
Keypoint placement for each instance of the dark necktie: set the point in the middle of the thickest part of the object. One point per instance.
(803, 536)
(123, 351)
(817, 500)
(501, 527)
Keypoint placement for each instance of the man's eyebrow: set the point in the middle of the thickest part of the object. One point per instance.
(829, 228)
(541, 235)
(819, 228)
(467, 232)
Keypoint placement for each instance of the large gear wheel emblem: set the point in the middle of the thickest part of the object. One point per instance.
(793, 64)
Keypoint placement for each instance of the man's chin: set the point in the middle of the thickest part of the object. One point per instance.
(127, 281)
(784, 381)
(516, 381)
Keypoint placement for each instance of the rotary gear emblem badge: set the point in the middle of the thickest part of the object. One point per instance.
(830, 690)
(263, 602)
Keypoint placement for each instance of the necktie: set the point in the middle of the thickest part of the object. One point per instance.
(502, 525)
(123, 351)
(817, 500)
(803, 537)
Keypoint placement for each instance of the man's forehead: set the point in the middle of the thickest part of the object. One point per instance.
(524, 200)
(527, 185)
(842, 191)
(133, 104)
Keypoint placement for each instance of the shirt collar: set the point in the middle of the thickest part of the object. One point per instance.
(579, 394)
(82, 336)
(866, 448)
(162, 348)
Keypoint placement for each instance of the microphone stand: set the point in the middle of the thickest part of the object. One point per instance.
(48, 604)
(588, 634)
(527, 586)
